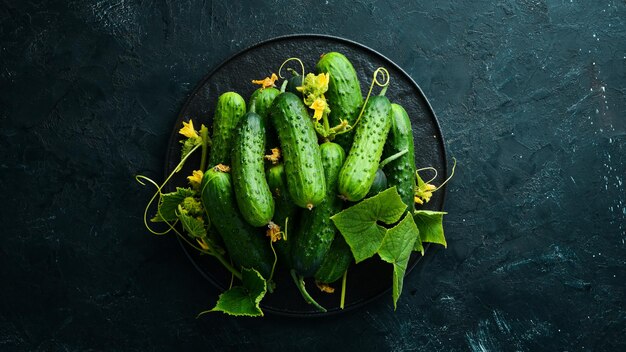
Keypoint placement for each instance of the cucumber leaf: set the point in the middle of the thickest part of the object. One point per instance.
(359, 223)
(430, 225)
(244, 300)
(168, 205)
(193, 225)
(396, 249)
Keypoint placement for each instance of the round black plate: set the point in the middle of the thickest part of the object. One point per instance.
(367, 280)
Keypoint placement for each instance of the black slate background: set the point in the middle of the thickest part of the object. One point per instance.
(531, 97)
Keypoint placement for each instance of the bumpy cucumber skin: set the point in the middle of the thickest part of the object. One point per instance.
(379, 184)
(315, 231)
(359, 170)
(229, 109)
(247, 246)
(261, 100)
(284, 208)
(336, 262)
(401, 172)
(344, 94)
(300, 151)
(248, 169)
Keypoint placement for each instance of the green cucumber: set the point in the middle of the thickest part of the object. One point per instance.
(248, 169)
(315, 231)
(261, 100)
(285, 208)
(401, 172)
(379, 184)
(247, 246)
(344, 95)
(293, 83)
(229, 109)
(336, 262)
(359, 170)
(300, 151)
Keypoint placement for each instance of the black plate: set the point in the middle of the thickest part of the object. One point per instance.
(367, 280)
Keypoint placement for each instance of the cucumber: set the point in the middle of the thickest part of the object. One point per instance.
(248, 169)
(285, 208)
(336, 262)
(293, 83)
(401, 172)
(315, 231)
(344, 95)
(247, 246)
(300, 151)
(229, 109)
(379, 184)
(261, 100)
(359, 170)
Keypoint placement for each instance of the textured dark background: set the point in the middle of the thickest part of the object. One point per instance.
(531, 97)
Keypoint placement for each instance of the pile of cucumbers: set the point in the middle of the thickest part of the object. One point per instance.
(245, 192)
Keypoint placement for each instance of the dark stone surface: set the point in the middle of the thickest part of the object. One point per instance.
(531, 99)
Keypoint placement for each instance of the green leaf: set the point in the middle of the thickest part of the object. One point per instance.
(244, 300)
(396, 249)
(430, 225)
(193, 225)
(358, 224)
(168, 204)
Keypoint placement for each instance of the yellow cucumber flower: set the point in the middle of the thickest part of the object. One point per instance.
(274, 157)
(222, 168)
(188, 130)
(319, 105)
(273, 232)
(267, 81)
(326, 288)
(322, 81)
(423, 193)
(196, 178)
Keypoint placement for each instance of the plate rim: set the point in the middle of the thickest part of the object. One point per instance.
(421, 96)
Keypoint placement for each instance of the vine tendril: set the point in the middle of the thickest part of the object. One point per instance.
(291, 59)
(383, 84)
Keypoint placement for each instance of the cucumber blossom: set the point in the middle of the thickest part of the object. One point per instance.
(359, 170)
(251, 190)
(247, 246)
(300, 151)
(229, 109)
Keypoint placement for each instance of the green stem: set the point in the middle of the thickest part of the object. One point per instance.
(392, 158)
(204, 134)
(326, 124)
(226, 264)
(300, 284)
(343, 289)
(273, 264)
(284, 86)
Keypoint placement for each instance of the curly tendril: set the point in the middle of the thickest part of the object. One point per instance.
(383, 83)
(288, 60)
